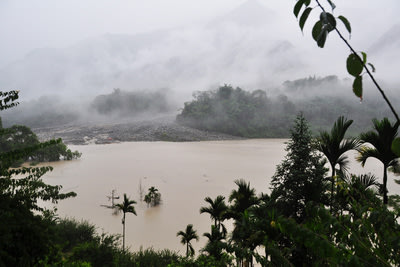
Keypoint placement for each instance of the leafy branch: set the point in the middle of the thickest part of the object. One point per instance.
(355, 63)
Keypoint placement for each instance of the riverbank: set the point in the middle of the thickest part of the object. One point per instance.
(154, 129)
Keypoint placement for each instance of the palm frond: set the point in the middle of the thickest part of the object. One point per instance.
(365, 153)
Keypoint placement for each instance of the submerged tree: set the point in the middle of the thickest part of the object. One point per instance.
(381, 140)
(153, 197)
(186, 237)
(126, 206)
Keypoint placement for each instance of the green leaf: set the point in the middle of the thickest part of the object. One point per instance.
(331, 21)
(322, 39)
(364, 57)
(357, 87)
(297, 7)
(333, 6)
(304, 17)
(354, 65)
(396, 146)
(316, 30)
(372, 67)
(319, 33)
(328, 19)
(346, 23)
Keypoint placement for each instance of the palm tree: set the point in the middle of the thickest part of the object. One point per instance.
(186, 236)
(243, 198)
(153, 190)
(153, 197)
(381, 140)
(215, 243)
(217, 211)
(359, 189)
(126, 206)
(334, 146)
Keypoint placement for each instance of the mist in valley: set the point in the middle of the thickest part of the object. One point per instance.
(134, 86)
(157, 63)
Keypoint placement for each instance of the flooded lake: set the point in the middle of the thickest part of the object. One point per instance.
(184, 174)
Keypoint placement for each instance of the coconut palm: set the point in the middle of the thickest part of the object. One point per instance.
(381, 142)
(126, 206)
(186, 237)
(334, 146)
(217, 211)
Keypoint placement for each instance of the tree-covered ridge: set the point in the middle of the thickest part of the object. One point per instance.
(255, 114)
(237, 112)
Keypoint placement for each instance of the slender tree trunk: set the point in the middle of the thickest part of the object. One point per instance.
(385, 197)
(187, 249)
(332, 186)
(123, 233)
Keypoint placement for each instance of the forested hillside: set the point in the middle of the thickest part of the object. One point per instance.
(251, 114)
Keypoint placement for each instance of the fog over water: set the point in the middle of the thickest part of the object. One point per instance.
(185, 173)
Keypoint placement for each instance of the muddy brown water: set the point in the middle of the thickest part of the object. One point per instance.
(184, 173)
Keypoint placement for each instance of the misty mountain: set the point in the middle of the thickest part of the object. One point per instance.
(251, 13)
(387, 41)
(384, 53)
(238, 48)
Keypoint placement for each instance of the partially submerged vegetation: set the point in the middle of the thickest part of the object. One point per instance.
(305, 220)
(19, 137)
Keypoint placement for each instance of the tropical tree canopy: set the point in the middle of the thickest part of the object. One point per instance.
(186, 237)
(380, 147)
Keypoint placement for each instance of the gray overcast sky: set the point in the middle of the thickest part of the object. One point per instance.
(26, 24)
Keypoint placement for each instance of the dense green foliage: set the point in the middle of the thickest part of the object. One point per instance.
(300, 178)
(78, 244)
(293, 226)
(254, 114)
(334, 147)
(18, 137)
(237, 112)
(381, 140)
(25, 226)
